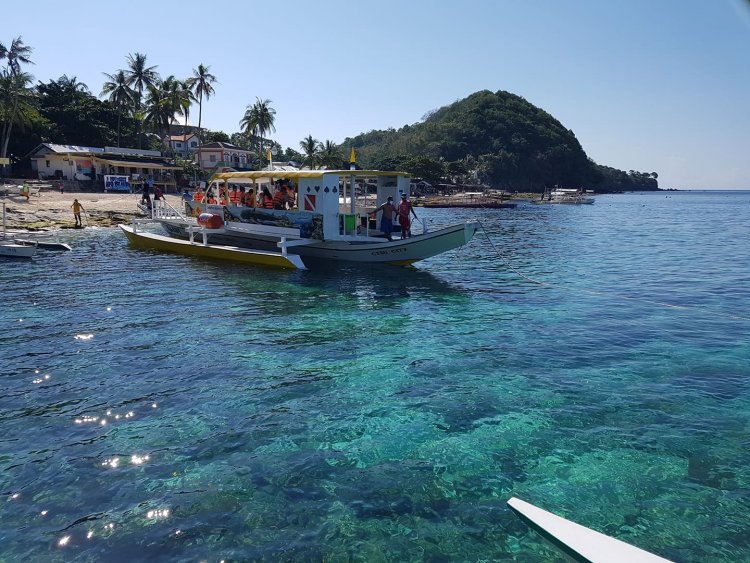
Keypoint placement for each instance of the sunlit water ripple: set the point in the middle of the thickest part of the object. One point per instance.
(157, 407)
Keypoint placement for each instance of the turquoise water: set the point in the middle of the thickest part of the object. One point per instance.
(156, 407)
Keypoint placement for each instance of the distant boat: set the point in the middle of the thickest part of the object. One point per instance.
(567, 196)
(580, 542)
(471, 200)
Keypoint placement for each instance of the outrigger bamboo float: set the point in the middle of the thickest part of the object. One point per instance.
(583, 544)
(329, 219)
(191, 247)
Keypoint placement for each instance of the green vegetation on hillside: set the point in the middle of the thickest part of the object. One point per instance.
(495, 138)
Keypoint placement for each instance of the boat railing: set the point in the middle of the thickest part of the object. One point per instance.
(161, 209)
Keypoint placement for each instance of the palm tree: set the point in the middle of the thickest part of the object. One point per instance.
(72, 82)
(15, 94)
(157, 109)
(120, 94)
(14, 87)
(330, 155)
(140, 76)
(311, 148)
(177, 98)
(201, 84)
(16, 54)
(258, 120)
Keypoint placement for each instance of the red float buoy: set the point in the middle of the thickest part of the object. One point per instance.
(210, 221)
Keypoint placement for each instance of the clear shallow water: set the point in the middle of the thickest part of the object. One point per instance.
(386, 414)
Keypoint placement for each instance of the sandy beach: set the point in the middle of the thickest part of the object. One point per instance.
(50, 209)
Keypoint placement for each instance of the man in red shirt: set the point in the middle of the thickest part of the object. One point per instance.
(404, 208)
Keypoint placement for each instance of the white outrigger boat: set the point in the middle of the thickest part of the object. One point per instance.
(580, 542)
(568, 196)
(324, 224)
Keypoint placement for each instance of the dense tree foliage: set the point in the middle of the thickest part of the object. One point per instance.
(496, 138)
(76, 117)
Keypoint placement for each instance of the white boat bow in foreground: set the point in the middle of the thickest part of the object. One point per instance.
(579, 541)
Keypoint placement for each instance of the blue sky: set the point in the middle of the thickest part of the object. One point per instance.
(649, 85)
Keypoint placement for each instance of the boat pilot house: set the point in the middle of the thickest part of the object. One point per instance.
(130, 167)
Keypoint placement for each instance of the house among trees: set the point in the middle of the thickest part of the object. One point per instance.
(219, 153)
(183, 145)
(91, 164)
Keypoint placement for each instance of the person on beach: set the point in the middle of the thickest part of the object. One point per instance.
(26, 191)
(145, 195)
(386, 220)
(77, 207)
(404, 207)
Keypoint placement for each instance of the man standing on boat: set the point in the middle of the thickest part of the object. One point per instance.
(386, 221)
(404, 208)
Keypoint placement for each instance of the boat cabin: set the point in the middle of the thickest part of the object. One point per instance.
(316, 199)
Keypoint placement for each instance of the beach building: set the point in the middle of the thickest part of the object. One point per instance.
(93, 164)
(219, 154)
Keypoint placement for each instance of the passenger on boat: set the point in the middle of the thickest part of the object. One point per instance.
(280, 198)
(198, 195)
(250, 198)
(266, 199)
(404, 208)
(290, 197)
(210, 197)
(234, 196)
(386, 220)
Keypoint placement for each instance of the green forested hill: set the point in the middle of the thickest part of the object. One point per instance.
(496, 138)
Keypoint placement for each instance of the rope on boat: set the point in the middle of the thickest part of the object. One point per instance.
(603, 293)
(507, 263)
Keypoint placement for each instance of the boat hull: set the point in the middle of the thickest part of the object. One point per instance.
(13, 250)
(140, 239)
(365, 250)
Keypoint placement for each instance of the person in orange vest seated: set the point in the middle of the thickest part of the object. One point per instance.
(198, 195)
(266, 199)
(210, 198)
(280, 198)
(234, 196)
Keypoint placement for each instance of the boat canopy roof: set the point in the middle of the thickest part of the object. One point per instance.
(260, 174)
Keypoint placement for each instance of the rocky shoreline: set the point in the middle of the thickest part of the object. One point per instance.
(52, 210)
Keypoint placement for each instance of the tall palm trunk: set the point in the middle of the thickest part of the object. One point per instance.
(200, 114)
(6, 140)
(119, 113)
